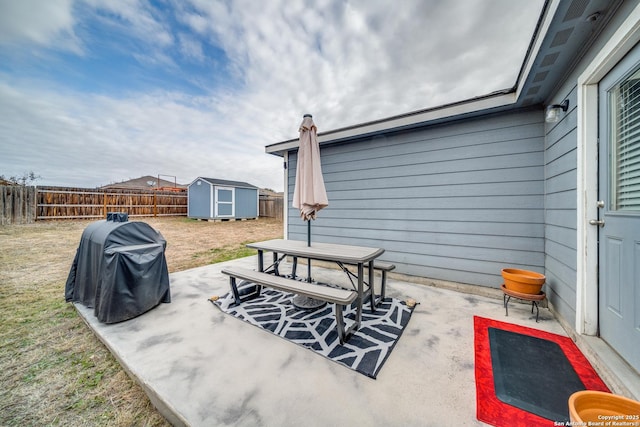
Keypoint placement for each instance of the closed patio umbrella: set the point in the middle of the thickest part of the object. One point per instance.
(309, 194)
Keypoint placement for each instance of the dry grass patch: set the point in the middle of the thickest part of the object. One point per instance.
(53, 370)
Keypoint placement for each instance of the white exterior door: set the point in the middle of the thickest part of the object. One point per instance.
(225, 203)
(619, 193)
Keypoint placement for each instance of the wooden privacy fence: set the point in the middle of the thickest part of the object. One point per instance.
(272, 207)
(77, 203)
(21, 204)
(17, 204)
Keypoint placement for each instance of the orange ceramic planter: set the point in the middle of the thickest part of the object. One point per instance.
(523, 281)
(589, 406)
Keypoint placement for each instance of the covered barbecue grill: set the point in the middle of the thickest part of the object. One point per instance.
(119, 269)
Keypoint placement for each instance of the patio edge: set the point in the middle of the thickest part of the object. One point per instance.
(165, 409)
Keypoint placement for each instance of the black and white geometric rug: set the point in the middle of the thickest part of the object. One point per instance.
(366, 350)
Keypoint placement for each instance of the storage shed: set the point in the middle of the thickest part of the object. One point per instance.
(210, 198)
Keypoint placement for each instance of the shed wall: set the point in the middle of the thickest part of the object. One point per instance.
(199, 200)
(455, 202)
(246, 203)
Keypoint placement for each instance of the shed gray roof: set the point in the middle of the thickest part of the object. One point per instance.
(226, 183)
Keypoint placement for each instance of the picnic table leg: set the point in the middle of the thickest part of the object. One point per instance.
(340, 324)
(383, 285)
(260, 261)
(294, 267)
(275, 264)
(247, 292)
(372, 287)
(234, 290)
(360, 294)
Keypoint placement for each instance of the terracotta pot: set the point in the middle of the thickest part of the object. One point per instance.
(593, 406)
(523, 281)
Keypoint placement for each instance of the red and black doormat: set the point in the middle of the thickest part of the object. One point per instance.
(524, 376)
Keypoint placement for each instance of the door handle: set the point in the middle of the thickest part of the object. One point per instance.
(599, 222)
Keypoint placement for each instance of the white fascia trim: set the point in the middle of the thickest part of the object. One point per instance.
(447, 111)
(587, 235)
(544, 27)
(193, 182)
(212, 200)
(622, 41)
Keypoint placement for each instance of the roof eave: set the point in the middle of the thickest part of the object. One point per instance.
(542, 28)
(434, 115)
(222, 182)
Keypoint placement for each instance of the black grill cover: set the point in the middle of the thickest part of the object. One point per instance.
(119, 270)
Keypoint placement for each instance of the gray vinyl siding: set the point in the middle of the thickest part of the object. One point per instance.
(561, 211)
(455, 202)
(199, 200)
(246, 203)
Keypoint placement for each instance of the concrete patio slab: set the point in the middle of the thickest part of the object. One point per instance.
(202, 367)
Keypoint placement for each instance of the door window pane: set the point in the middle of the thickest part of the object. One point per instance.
(625, 144)
(225, 196)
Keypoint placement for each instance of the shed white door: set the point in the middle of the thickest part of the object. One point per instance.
(619, 190)
(225, 206)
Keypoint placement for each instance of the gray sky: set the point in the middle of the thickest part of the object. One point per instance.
(94, 92)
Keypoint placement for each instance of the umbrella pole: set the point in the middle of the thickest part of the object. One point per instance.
(309, 244)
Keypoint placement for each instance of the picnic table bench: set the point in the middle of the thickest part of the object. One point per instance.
(383, 267)
(337, 296)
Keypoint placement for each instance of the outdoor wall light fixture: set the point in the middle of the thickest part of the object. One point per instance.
(552, 113)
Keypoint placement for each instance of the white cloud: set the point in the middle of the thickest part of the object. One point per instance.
(43, 22)
(134, 17)
(344, 62)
